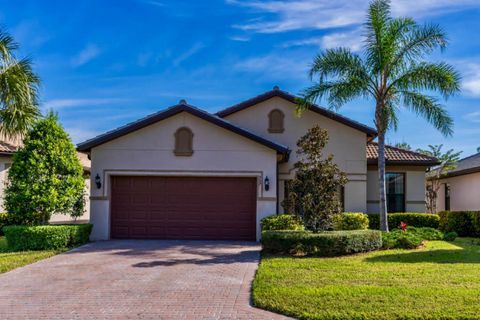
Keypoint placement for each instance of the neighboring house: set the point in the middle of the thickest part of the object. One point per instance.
(184, 173)
(9, 147)
(460, 187)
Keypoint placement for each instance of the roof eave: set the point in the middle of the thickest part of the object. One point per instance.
(372, 133)
(89, 144)
(419, 163)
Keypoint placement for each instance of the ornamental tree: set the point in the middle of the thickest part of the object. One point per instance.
(314, 193)
(46, 176)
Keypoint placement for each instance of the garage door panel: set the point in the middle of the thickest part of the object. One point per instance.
(183, 208)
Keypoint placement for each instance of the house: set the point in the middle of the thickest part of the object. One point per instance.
(184, 173)
(8, 147)
(460, 187)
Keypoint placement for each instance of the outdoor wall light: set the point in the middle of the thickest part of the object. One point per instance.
(267, 183)
(98, 181)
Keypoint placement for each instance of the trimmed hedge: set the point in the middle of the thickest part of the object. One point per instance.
(464, 223)
(419, 220)
(5, 220)
(282, 222)
(50, 237)
(410, 239)
(350, 221)
(323, 244)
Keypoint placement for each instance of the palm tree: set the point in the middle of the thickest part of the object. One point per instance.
(18, 90)
(392, 70)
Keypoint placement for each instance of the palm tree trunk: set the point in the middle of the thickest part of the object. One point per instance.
(381, 181)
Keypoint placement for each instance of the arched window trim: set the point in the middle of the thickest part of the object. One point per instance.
(274, 127)
(185, 152)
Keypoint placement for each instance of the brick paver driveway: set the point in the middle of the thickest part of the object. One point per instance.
(137, 280)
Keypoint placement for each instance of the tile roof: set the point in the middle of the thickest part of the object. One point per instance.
(7, 148)
(466, 165)
(169, 112)
(399, 156)
(276, 92)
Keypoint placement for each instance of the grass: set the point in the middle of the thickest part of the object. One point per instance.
(440, 281)
(11, 260)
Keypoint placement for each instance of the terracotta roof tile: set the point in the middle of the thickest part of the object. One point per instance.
(395, 155)
(6, 147)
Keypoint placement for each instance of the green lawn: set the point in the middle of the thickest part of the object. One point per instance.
(441, 281)
(11, 260)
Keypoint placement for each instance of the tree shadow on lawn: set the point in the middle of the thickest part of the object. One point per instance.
(463, 253)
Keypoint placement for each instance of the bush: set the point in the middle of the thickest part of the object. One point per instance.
(350, 221)
(323, 244)
(419, 220)
(51, 237)
(6, 220)
(410, 239)
(282, 222)
(450, 236)
(46, 176)
(464, 223)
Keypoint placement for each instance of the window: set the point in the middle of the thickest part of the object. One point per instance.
(183, 142)
(341, 198)
(395, 185)
(275, 121)
(447, 197)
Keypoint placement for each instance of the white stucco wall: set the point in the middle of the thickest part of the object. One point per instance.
(464, 192)
(347, 144)
(414, 188)
(5, 162)
(149, 151)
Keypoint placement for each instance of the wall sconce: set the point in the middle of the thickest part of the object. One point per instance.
(266, 183)
(98, 181)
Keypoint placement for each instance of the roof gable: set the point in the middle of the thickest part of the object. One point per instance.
(397, 156)
(294, 99)
(466, 165)
(169, 112)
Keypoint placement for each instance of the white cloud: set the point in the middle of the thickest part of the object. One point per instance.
(87, 54)
(351, 39)
(240, 38)
(154, 3)
(473, 117)
(323, 14)
(275, 65)
(187, 54)
(471, 77)
(67, 103)
(80, 133)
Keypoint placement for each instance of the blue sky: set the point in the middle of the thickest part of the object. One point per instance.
(105, 63)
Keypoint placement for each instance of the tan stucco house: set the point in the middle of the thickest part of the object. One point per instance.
(184, 173)
(460, 187)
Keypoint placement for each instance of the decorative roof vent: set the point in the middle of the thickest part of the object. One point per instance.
(183, 101)
(276, 88)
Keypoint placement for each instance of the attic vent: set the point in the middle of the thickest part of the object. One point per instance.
(275, 121)
(183, 142)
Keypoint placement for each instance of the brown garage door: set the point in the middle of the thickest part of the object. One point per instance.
(183, 208)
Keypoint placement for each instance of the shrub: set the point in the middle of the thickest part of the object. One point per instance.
(419, 220)
(450, 236)
(313, 193)
(324, 244)
(411, 238)
(464, 223)
(398, 239)
(282, 222)
(350, 221)
(20, 238)
(46, 176)
(6, 220)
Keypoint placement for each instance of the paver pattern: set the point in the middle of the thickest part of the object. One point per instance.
(137, 279)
